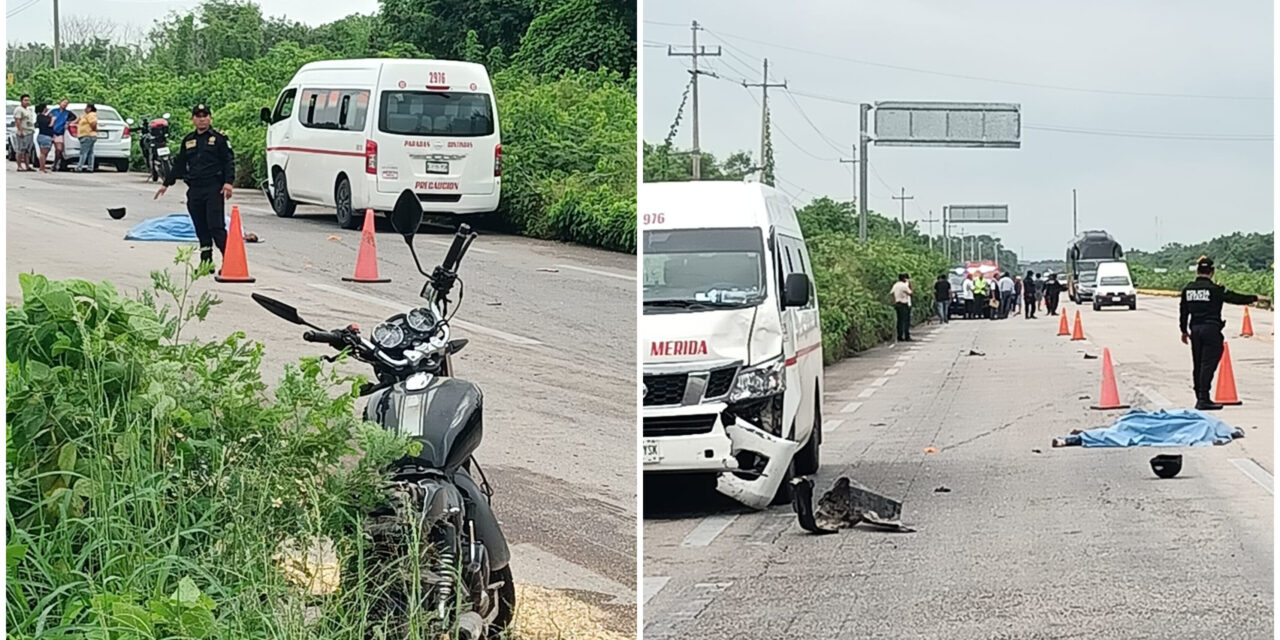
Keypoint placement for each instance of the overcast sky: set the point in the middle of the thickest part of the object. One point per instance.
(1197, 188)
(33, 20)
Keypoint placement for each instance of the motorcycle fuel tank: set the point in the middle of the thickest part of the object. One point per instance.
(443, 414)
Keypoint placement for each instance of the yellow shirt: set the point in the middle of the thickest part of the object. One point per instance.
(87, 126)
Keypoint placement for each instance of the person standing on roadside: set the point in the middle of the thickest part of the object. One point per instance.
(1029, 292)
(1200, 319)
(1052, 290)
(60, 118)
(966, 295)
(942, 298)
(980, 308)
(24, 119)
(902, 293)
(993, 296)
(44, 136)
(207, 163)
(1039, 292)
(1008, 292)
(87, 132)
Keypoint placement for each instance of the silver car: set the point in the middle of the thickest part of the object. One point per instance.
(114, 141)
(10, 129)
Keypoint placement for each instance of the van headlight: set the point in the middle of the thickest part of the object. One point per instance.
(761, 381)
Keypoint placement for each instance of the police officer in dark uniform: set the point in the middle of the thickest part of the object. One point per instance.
(207, 164)
(1200, 318)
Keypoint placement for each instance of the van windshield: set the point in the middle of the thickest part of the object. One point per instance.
(430, 113)
(699, 269)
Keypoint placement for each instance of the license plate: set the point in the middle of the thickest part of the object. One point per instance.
(652, 451)
(437, 167)
(103, 135)
(162, 151)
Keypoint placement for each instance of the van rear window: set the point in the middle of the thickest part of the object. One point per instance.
(426, 113)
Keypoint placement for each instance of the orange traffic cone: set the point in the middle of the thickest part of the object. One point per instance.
(1063, 328)
(1110, 394)
(235, 267)
(1226, 391)
(367, 258)
(1247, 330)
(1078, 333)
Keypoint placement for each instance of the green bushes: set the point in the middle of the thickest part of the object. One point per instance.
(151, 481)
(1253, 282)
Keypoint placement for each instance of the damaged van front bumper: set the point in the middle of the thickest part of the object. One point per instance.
(717, 447)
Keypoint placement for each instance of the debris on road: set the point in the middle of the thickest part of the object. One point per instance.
(1090, 357)
(930, 449)
(116, 213)
(547, 270)
(1180, 428)
(335, 239)
(977, 353)
(942, 489)
(845, 506)
(1167, 465)
(1036, 451)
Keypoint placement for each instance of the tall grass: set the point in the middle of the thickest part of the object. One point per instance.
(152, 481)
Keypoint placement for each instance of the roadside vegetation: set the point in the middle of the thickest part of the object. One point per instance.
(563, 71)
(1244, 263)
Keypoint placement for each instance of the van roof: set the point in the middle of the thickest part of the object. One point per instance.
(717, 204)
(384, 70)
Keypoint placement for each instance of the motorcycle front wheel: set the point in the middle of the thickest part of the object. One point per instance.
(506, 602)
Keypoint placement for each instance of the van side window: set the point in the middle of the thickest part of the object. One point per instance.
(312, 100)
(360, 112)
(284, 106)
(336, 109)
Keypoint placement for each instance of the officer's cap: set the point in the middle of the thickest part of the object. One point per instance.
(1204, 264)
(200, 110)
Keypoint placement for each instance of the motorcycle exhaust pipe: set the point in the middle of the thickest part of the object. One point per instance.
(471, 626)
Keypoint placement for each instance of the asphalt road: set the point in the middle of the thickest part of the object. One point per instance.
(1031, 542)
(552, 329)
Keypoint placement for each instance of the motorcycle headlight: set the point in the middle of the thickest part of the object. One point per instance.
(760, 381)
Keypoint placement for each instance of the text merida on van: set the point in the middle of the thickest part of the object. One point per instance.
(731, 337)
(358, 134)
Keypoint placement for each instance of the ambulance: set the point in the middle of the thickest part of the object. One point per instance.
(356, 134)
(731, 338)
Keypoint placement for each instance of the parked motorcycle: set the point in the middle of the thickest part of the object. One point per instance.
(154, 144)
(433, 495)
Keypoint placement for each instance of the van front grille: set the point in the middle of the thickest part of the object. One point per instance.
(665, 389)
(720, 381)
(678, 425)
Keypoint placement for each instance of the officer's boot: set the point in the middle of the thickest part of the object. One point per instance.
(206, 256)
(1203, 403)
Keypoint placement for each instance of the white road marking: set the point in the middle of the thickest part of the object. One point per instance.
(892, 372)
(707, 530)
(903, 360)
(1255, 473)
(651, 586)
(851, 407)
(1156, 399)
(867, 393)
(831, 425)
(879, 382)
(65, 218)
(462, 324)
(598, 272)
(544, 569)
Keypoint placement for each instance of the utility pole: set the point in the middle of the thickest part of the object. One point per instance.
(854, 174)
(1074, 222)
(902, 225)
(930, 221)
(863, 138)
(57, 37)
(764, 106)
(695, 53)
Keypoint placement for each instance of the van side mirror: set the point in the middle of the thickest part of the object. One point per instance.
(265, 115)
(796, 290)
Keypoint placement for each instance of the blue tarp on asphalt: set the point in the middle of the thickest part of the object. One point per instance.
(175, 227)
(1181, 428)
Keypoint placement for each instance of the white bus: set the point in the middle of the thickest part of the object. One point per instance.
(356, 134)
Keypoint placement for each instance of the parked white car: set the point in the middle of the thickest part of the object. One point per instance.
(114, 141)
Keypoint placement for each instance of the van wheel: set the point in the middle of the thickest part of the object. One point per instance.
(122, 166)
(1097, 307)
(807, 458)
(280, 201)
(1133, 306)
(347, 218)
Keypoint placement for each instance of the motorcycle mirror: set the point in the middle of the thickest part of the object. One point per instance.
(407, 216)
(165, 116)
(456, 345)
(280, 309)
(128, 120)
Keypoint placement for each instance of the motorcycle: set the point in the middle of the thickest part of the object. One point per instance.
(434, 497)
(154, 144)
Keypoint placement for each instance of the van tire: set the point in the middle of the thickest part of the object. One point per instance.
(122, 166)
(347, 218)
(808, 457)
(281, 203)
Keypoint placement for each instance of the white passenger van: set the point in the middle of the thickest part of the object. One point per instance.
(1113, 287)
(356, 134)
(731, 337)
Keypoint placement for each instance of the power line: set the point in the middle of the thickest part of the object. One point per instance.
(665, 24)
(804, 115)
(21, 8)
(1148, 94)
(797, 145)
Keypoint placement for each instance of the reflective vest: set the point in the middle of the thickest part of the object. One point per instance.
(979, 286)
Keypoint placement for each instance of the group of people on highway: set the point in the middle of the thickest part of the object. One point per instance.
(997, 296)
(41, 128)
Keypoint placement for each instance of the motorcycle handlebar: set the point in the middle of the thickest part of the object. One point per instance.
(324, 337)
(458, 248)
